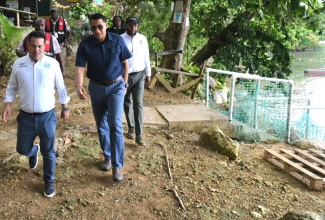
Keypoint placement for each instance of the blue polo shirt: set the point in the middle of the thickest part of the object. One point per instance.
(103, 59)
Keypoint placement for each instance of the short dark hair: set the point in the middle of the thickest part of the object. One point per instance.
(36, 34)
(97, 16)
(120, 17)
(38, 20)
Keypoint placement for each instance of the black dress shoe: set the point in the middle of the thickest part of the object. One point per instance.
(106, 165)
(117, 174)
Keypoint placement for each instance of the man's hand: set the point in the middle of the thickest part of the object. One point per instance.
(82, 93)
(65, 114)
(147, 81)
(66, 43)
(6, 111)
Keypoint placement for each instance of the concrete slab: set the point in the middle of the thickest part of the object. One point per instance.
(193, 117)
(151, 118)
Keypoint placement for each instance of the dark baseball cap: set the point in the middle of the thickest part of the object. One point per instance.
(131, 20)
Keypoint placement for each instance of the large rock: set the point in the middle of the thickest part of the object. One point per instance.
(216, 140)
(301, 215)
(306, 144)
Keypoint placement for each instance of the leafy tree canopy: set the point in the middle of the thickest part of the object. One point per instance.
(255, 34)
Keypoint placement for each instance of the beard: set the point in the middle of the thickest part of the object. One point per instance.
(130, 33)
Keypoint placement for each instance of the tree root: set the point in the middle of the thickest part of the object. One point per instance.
(9, 158)
(171, 179)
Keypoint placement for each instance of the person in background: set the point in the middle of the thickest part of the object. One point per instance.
(36, 78)
(59, 28)
(118, 25)
(139, 73)
(52, 47)
(106, 57)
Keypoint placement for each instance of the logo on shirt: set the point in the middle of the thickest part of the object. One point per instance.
(140, 41)
(24, 64)
(47, 65)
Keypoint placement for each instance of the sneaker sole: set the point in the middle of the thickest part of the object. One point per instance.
(49, 196)
(36, 157)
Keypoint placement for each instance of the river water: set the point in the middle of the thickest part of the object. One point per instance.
(310, 87)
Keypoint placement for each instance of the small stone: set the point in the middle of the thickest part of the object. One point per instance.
(256, 214)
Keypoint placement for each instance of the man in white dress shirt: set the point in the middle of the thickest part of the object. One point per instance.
(35, 76)
(139, 74)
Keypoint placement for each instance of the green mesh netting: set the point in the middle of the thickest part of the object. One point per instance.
(263, 107)
(306, 128)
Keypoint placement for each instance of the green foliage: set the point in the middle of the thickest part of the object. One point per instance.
(258, 35)
(76, 33)
(261, 37)
(10, 36)
(87, 6)
(192, 68)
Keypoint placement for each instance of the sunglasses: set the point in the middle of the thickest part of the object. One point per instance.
(99, 27)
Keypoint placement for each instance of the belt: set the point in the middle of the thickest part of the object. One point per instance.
(133, 73)
(107, 83)
(35, 113)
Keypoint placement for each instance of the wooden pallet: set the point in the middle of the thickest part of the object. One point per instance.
(307, 166)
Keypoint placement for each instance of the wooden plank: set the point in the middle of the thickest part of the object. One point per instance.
(319, 153)
(309, 156)
(306, 162)
(289, 162)
(152, 83)
(296, 170)
(165, 83)
(175, 72)
(187, 85)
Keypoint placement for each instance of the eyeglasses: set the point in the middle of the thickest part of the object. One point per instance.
(100, 27)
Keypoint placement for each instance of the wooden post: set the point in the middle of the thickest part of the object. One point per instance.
(17, 19)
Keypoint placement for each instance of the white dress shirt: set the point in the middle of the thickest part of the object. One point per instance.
(138, 46)
(36, 84)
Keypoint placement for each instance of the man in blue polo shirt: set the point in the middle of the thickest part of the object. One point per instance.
(106, 57)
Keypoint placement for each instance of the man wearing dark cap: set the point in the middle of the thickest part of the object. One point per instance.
(139, 74)
(59, 28)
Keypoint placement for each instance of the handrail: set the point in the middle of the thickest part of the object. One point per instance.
(158, 69)
(165, 52)
(17, 13)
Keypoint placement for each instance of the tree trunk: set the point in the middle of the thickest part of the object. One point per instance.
(175, 35)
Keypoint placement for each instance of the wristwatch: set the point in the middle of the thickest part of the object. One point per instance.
(126, 85)
(66, 108)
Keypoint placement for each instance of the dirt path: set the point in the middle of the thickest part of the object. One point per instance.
(210, 186)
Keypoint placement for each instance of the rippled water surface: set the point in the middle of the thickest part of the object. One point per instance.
(310, 87)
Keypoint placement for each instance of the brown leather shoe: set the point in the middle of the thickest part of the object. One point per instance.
(106, 165)
(117, 174)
